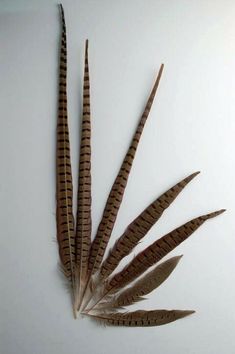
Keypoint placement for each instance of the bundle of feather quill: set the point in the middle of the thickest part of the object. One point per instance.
(97, 289)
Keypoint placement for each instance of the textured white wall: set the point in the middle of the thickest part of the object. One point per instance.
(191, 127)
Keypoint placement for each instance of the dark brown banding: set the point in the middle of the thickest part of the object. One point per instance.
(83, 228)
(155, 252)
(141, 318)
(64, 188)
(140, 227)
(116, 194)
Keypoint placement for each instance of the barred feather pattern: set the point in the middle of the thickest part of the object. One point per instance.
(141, 318)
(140, 227)
(82, 261)
(64, 185)
(83, 229)
(115, 197)
(155, 252)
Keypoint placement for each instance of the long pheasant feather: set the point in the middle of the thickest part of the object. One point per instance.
(83, 229)
(64, 186)
(116, 194)
(156, 251)
(82, 260)
(145, 285)
(140, 227)
(141, 318)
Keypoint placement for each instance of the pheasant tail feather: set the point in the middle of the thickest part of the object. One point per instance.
(140, 227)
(155, 252)
(116, 194)
(82, 260)
(141, 318)
(83, 230)
(64, 186)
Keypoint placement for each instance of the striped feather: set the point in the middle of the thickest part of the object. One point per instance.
(141, 318)
(140, 227)
(64, 186)
(155, 252)
(83, 229)
(80, 259)
(116, 194)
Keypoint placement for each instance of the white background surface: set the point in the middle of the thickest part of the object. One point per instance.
(191, 127)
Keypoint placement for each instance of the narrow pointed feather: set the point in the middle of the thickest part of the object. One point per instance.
(155, 252)
(140, 227)
(145, 285)
(83, 229)
(141, 318)
(64, 186)
(116, 194)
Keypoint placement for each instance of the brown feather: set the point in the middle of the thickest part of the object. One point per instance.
(116, 194)
(64, 186)
(141, 318)
(140, 227)
(80, 260)
(146, 284)
(83, 229)
(155, 252)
